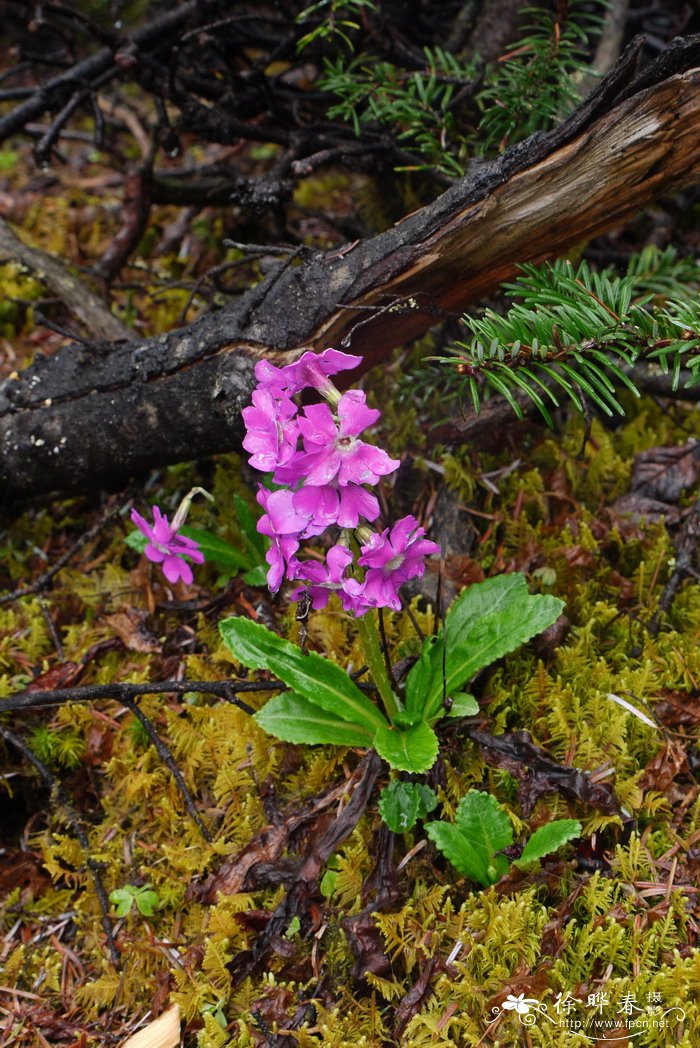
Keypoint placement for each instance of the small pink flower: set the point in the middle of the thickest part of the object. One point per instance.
(323, 578)
(333, 452)
(311, 370)
(393, 557)
(271, 430)
(167, 548)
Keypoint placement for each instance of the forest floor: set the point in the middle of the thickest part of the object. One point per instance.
(396, 948)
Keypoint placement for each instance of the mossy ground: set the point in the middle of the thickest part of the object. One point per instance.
(614, 915)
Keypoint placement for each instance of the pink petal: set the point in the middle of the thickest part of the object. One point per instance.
(356, 502)
(317, 426)
(142, 524)
(154, 554)
(354, 414)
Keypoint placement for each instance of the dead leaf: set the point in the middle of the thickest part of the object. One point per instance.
(663, 768)
(539, 773)
(57, 677)
(130, 626)
(664, 473)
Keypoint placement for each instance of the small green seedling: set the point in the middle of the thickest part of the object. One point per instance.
(124, 898)
(401, 804)
(474, 843)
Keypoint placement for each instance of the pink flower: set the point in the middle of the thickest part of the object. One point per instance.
(167, 548)
(272, 430)
(324, 578)
(311, 369)
(333, 452)
(391, 559)
(330, 504)
(285, 528)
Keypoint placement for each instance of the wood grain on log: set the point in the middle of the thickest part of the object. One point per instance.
(100, 414)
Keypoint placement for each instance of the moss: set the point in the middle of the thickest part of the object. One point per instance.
(623, 929)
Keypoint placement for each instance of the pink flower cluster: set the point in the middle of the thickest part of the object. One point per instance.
(325, 467)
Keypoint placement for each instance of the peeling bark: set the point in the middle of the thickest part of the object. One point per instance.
(96, 415)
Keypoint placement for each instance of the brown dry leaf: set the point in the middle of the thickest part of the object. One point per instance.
(130, 626)
(163, 1032)
(458, 568)
(663, 768)
(678, 709)
(57, 677)
(663, 473)
(634, 508)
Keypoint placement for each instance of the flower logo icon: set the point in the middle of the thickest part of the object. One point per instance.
(520, 1004)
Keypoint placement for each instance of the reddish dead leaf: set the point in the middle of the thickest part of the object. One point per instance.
(539, 773)
(633, 509)
(59, 676)
(411, 1004)
(678, 709)
(664, 473)
(130, 626)
(272, 1009)
(367, 944)
(663, 768)
(625, 587)
(22, 869)
(553, 637)
(99, 743)
(458, 568)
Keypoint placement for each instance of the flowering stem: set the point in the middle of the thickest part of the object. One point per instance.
(373, 655)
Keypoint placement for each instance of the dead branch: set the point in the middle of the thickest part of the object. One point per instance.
(72, 291)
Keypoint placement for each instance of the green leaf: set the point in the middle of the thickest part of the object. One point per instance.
(256, 576)
(123, 899)
(487, 621)
(217, 550)
(293, 718)
(548, 838)
(408, 749)
(293, 929)
(401, 804)
(136, 540)
(248, 523)
(420, 680)
(146, 901)
(481, 830)
(318, 679)
(463, 705)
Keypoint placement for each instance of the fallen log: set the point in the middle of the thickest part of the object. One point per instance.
(98, 414)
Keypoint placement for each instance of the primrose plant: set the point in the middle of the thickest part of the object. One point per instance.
(325, 473)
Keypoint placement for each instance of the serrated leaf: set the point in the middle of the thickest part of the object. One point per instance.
(548, 838)
(481, 830)
(401, 804)
(407, 749)
(487, 621)
(318, 679)
(293, 718)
